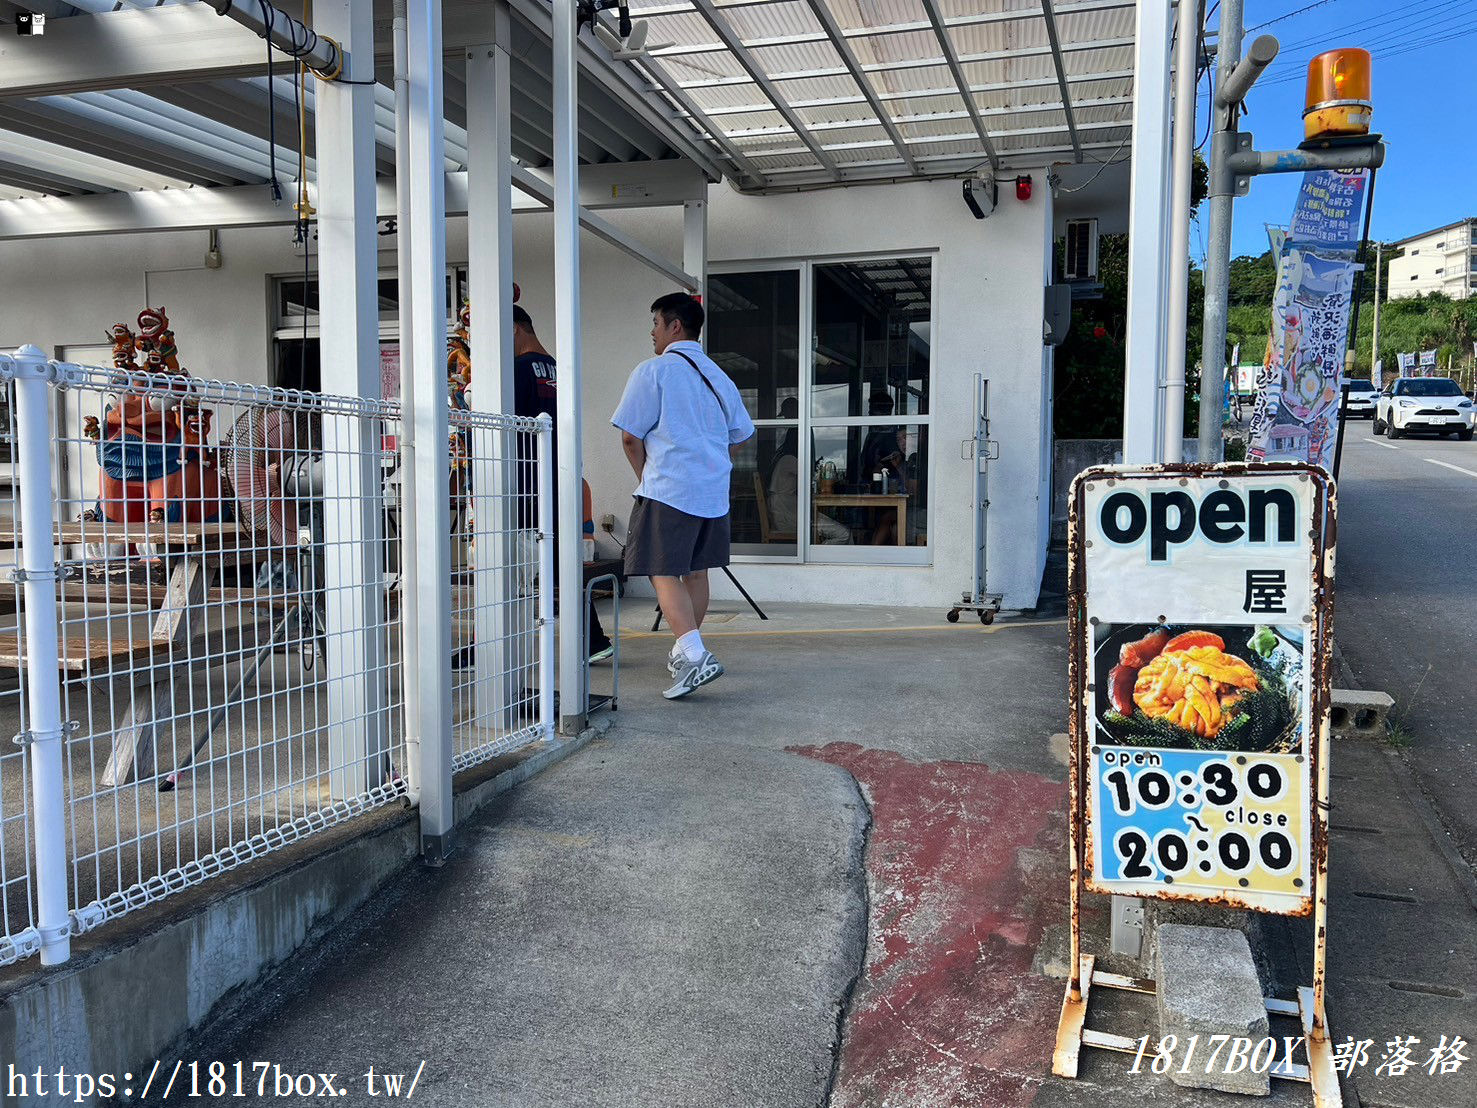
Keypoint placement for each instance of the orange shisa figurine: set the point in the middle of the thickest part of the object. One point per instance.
(151, 440)
(459, 358)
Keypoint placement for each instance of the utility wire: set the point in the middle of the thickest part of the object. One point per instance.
(1289, 15)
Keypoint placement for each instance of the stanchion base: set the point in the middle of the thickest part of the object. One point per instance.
(1070, 1027)
(1072, 1034)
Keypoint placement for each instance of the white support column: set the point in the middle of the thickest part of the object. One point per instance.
(1147, 248)
(695, 247)
(426, 241)
(573, 691)
(358, 740)
(405, 492)
(501, 670)
(1187, 43)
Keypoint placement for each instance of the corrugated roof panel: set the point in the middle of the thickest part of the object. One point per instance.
(1117, 113)
(738, 125)
(818, 88)
(858, 14)
(961, 148)
(1107, 60)
(1095, 26)
(931, 79)
(783, 161)
(1007, 72)
(836, 113)
(893, 49)
(703, 67)
(801, 58)
(974, 7)
(727, 96)
(788, 17)
(685, 29)
(992, 38)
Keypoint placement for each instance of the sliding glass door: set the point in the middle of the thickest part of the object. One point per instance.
(840, 468)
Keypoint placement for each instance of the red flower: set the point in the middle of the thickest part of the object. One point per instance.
(1099, 332)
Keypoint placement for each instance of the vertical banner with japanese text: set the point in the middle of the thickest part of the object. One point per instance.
(1202, 680)
(1297, 408)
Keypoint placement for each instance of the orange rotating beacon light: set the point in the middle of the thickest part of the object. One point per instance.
(1338, 103)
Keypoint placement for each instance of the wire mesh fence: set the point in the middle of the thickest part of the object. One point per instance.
(497, 619)
(16, 889)
(229, 631)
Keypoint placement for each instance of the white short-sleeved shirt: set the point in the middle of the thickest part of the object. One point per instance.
(687, 430)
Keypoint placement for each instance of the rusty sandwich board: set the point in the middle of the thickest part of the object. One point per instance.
(1200, 614)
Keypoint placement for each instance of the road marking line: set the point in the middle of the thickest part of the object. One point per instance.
(1448, 465)
(1386, 445)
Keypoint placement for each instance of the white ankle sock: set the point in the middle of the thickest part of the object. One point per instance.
(691, 645)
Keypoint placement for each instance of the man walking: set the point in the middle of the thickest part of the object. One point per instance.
(681, 421)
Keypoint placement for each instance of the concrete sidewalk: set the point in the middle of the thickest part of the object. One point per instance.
(836, 876)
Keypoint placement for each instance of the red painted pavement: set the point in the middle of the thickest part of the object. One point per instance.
(948, 1011)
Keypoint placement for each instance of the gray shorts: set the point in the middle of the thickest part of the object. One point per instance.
(667, 542)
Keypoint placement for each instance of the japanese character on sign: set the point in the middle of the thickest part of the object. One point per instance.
(1266, 591)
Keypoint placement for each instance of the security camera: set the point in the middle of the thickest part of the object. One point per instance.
(980, 194)
(628, 40)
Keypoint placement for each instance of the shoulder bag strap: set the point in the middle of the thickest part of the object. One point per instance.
(704, 376)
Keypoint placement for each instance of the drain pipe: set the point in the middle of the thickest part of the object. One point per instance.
(408, 596)
(1187, 42)
(317, 52)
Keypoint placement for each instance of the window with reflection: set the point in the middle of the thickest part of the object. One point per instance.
(754, 336)
(840, 459)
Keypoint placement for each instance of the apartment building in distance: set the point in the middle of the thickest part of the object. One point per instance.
(1443, 260)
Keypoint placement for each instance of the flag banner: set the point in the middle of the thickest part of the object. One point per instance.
(1297, 407)
(1428, 364)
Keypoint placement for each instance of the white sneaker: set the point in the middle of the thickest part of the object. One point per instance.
(692, 676)
(675, 661)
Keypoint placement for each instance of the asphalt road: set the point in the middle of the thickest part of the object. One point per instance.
(1406, 615)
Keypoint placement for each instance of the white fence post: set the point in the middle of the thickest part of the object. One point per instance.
(44, 733)
(546, 576)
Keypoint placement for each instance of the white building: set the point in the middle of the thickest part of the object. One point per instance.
(805, 165)
(1443, 260)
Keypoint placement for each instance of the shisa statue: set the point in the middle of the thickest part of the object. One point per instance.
(152, 437)
(459, 358)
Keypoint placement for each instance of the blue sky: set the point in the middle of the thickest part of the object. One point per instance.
(1425, 104)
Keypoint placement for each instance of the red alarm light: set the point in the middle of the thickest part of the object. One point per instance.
(1023, 187)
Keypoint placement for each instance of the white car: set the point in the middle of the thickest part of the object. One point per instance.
(1424, 404)
(1362, 396)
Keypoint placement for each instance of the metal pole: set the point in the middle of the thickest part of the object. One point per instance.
(1374, 343)
(1148, 198)
(499, 668)
(546, 522)
(431, 455)
(1352, 348)
(409, 692)
(354, 604)
(572, 675)
(695, 247)
(43, 682)
(287, 34)
(1187, 45)
(1218, 231)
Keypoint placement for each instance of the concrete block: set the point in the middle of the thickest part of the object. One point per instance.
(1208, 985)
(1358, 714)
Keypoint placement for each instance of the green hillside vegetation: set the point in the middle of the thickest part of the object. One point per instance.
(1408, 326)
(1089, 364)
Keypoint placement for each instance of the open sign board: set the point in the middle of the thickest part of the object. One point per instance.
(1200, 681)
